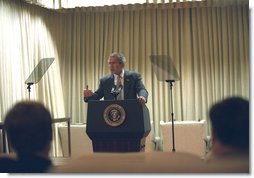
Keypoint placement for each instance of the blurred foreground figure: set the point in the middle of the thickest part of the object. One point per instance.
(29, 131)
(230, 132)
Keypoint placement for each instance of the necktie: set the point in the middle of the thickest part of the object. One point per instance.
(118, 84)
(119, 80)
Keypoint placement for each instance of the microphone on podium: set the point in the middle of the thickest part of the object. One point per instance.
(113, 90)
(116, 90)
(119, 89)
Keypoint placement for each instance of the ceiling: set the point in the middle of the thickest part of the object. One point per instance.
(67, 4)
(59, 4)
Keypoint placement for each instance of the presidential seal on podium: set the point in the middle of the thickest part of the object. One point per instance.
(114, 115)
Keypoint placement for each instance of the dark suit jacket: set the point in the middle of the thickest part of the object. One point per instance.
(25, 164)
(7, 164)
(133, 86)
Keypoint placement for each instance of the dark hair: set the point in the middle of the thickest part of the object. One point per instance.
(230, 122)
(29, 127)
(119, 56)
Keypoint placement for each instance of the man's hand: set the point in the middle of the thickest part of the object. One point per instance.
(87, 92)
(142, 99)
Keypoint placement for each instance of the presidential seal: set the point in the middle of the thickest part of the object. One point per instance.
(114, 115)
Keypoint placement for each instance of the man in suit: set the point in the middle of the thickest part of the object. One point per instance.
(130, 87)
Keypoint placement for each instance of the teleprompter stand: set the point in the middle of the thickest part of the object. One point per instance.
(172, 113)
(165, 70)
(38, 73)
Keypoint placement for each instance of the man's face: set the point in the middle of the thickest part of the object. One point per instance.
(115, 66)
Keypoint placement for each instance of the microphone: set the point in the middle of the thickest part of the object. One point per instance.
(119, 89)
(113, 90)
(116, 90)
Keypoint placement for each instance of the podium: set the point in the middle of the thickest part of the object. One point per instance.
(117, 125)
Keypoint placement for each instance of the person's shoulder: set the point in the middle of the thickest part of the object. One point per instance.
(7, 164)
(6, 159)
(134, 73)
(106, 77)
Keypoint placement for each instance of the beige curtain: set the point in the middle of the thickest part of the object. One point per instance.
(209, 46)
(25, 39)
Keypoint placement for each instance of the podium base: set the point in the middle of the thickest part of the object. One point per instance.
(119, 145)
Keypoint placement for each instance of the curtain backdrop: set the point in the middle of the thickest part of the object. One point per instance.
(209, 46)
(25, 39)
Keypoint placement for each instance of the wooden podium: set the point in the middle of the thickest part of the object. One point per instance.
(117, 125)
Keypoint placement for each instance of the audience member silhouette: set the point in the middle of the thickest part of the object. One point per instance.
(29, 129)
(230, 131)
